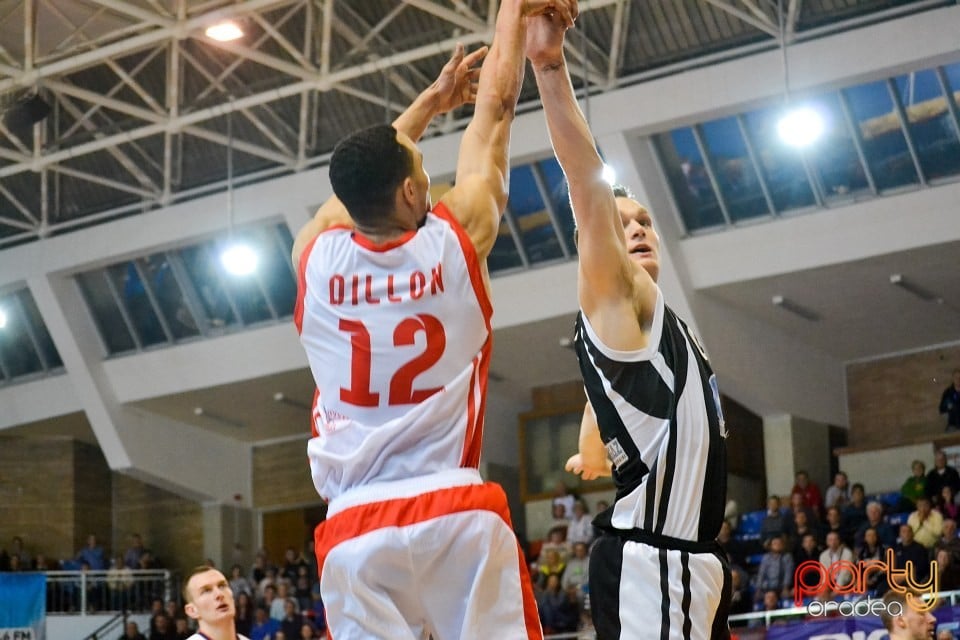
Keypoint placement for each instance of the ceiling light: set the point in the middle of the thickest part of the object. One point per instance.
(281, 397)
(609, 174)
(239, 260)
(897, 280)
(224, 31)
(3, 318)
(800, 127)
(200, 412)
(794, 308)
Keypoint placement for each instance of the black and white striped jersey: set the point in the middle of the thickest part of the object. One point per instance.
(659, 414)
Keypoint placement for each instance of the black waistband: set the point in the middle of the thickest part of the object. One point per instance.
(666, 542)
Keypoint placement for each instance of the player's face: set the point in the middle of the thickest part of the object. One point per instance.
(212, 599)
(643, 243)
(919, 625)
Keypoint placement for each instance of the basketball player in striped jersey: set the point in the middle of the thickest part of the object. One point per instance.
(394, 313)
(653, 418)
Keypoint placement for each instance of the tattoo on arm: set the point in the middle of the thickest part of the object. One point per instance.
(552, 66)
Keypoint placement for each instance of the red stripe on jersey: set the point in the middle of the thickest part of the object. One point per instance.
(302, 283)
(370, 245)
(314, 414)
(401, 512)
(469, 440)
(473, 262)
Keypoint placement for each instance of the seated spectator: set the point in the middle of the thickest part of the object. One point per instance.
(292, 620)
(875, 521)
(873, 549)
(239, 583)
(855, 513)
(801, 527)
(581, 524)
(556, 541)
(913, 487)
(836, 551)
(838, 494)
(308, 632)
(551, 565)
(131, 631)
(278, 608)
(775, 523)
(810, 492)
(909, 550)
(948, 507)
(259, 569)
(243, 620)
(163, 628)
(577, 571)
(927, 524)
(834, 523)
(264, 627)
(769, 601)
(559, 612)
(948, 539)
(941, 475)
(776, 571)
(734, 548)
(808, 551)
(564, 496)
(181, 629)
(740, 600)
(17, 549)
(948, 571)
(797, 504)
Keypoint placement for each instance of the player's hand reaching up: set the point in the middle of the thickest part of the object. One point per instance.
(458, 80)
(565, 10)
(576, 466)
(544, 44)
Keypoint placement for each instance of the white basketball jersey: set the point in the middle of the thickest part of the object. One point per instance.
(398, 340)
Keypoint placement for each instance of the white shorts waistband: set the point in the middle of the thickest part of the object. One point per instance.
(406, 488)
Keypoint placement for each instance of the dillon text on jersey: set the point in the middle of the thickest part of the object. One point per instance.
(355, 289)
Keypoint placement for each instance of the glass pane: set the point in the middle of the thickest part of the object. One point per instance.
(16, 347)
(275, 266)
(884, 144)
(245, 290)
(781, 165)
(106, 314)
(952, 72)
(530, 213)
(169, 296)
(204, 273)
(504, 254)
(128, 284)
(560, 196)
(835, 157)
(932, 127)
(688, 179)
(734, 170)
(40, 330)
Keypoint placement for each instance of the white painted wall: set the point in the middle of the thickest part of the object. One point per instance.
(882, 470)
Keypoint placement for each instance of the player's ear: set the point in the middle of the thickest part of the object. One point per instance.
(191, 610)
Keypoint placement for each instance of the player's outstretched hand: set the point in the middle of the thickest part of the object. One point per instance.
(567, 10)
(576, 466)
(544, 40)
(458, 80)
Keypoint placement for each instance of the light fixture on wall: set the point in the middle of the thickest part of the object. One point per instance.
(200, 412)
(224, 31)
(3, 318)
(282, 398)
(800, 125)
(897, 280)
(238, 258)
(795, 308)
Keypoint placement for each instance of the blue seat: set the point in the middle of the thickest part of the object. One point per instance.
(897, 519)
(750, 523)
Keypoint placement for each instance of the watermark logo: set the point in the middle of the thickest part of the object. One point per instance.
(811, 578)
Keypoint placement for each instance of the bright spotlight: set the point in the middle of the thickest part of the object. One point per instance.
(609, 174)
(239, 260)
(3, 318)
(800, 127)
(225, 31)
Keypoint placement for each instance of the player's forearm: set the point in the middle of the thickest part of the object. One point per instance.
(416, 118)
(592, 452)
(569, 132)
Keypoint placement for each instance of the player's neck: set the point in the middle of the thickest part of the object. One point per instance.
(225, 630)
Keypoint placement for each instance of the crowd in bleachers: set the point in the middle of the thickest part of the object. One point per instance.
(767, 548)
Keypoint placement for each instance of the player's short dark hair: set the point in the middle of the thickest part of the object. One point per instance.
(619, 191)
(203, 568)
(365, 170)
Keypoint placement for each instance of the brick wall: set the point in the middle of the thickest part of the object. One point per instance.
(897, 398)
(281, 476)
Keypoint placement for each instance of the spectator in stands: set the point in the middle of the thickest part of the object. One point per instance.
(132, 632)
(131, 557)
(551, 564)
(913, 487)
(768, 601)
(910, 550)
(556, 541)
(263, 625)
(564, 496)
(14, 564)
(181, 629)
(736, 551)
(948, 507)
(301, 590)
(156, 609)
(239, 583)
(808, 551)
(950, 403)
(948, 570)
(927, 524)
(292, 561)
(93, 555)
(801, 527)
(576, 573)
(875, 521)
(942, 474)
(308, 632)
(278, 608)
(775, 523)
(119, 583)
(797, 503)
(776, 571)
(910, 624)
(269, 580)
(740, 600)
(163, 628)
(243, 620)
(836, 551)
(838, 494)
(873, 549)
(559, 612)
(809, 490)
(948, 540)
(292, 620)
(259, 569)
(16, 549)
(834, 523)
(855, 513)
(581, 524)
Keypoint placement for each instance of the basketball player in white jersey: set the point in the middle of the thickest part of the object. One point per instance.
(208, 599)
(653, 419)
(394, 313)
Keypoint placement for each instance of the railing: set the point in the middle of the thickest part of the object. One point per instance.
(82, 592)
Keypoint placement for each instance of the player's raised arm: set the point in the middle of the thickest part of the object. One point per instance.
(456, 85)
(607, 278)
(482, 181)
